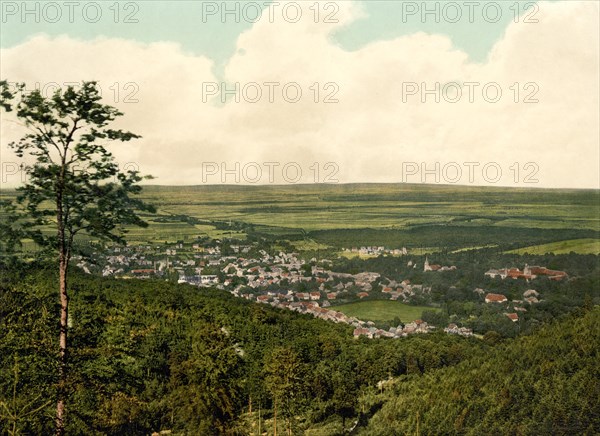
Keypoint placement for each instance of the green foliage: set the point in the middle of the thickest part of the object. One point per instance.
(28, 351)
(68, 183)
(149, 356)
(11, 230)
(548, 383)
(284, 380)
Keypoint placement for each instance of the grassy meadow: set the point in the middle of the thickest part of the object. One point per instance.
(423, 218)
(382, 310)
(581, 246)
(426, 218)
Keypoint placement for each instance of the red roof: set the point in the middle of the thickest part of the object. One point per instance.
(361, 331)
(495, 298)
(540, 270)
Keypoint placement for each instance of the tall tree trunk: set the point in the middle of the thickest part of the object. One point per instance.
(63, 263)
(62, 364)
(275, 418)
(250, 413)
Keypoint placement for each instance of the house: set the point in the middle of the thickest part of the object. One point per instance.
(315, 296)
(143, 273)
(331, 296)
(543, 271)
(430, 267)
(528, 273)
(417, 326)
(362, 295)
(209, 279)
(495, 298)
(462, 331)
(512, 316)
(531, 293)
(339, 316)
(339, 287)
(492, 273)
(382, 333)
(362, 331)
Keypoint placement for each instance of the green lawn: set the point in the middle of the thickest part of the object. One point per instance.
(382, 310)
(581, 246)
(352, 255)
(306, 245)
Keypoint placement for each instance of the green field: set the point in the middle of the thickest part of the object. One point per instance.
(422, 218)
(382, 310)
(580, 246)
(351, 255)
(308, 245)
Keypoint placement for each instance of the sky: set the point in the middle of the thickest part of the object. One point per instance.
(472, 93)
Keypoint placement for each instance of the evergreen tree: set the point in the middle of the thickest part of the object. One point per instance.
(74, 184)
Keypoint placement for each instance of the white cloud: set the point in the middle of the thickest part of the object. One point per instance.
(371, 131)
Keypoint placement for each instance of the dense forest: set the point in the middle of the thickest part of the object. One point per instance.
(548, 383)
(149, 356)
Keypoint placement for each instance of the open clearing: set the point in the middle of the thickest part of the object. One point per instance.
(382, 310)
(580, 246)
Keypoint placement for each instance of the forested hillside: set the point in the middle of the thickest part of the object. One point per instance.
(547, 383)
(150, 356)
